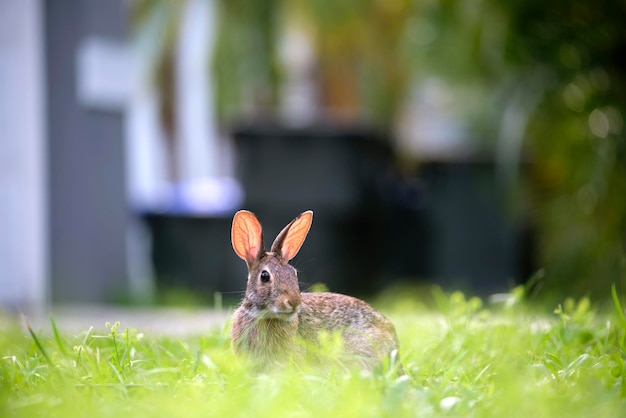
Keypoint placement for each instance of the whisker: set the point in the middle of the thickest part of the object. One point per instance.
(234, 292)
(297, 263)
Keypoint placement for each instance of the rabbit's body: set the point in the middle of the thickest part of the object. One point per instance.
(367, 334)
(275, 322)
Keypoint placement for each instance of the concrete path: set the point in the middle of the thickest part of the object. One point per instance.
(150, 321)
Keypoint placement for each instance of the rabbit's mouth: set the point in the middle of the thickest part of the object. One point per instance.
(282, 314)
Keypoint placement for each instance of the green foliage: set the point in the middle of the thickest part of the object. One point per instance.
(244, 63)
(360, 64)
(576, 136)
(465, 359)
(550, 82)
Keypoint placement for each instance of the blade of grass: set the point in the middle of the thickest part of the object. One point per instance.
(127, 349)
(618, 306)
(87, 335)
(57, 336)
(620, 313)
(533, 286)
(36, 339)
(441, 299)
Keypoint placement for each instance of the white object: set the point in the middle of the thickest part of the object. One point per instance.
(429, 127)
(104, 73)
(197, 133)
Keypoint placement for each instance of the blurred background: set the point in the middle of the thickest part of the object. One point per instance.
(472, 144)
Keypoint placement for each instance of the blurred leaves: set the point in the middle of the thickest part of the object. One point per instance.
(576, 136)
(363, 65)
(550, 77)
(361, 68)
(244, 64)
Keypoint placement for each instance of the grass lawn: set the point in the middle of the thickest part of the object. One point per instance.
(464, 358)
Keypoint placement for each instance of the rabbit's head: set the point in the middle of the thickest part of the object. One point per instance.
(272, 290)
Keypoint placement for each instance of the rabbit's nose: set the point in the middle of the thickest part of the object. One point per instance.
(291, 303)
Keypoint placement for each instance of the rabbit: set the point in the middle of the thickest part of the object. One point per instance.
(276, 323)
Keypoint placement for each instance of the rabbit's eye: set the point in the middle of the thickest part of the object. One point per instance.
(265, 276)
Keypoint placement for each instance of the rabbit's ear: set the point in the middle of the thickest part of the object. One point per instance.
(247, 236)
(291, 238)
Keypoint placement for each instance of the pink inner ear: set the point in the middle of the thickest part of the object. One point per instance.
(244, 247)
(246, 236)
(296, 235)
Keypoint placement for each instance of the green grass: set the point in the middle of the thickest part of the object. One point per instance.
(462, 359)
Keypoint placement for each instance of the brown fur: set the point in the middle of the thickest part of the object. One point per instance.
(275, 323)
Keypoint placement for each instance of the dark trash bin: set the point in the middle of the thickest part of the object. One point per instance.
(332, 170)
(189, 224)
(476, 241)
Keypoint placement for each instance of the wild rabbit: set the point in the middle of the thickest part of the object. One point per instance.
(275, 322)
